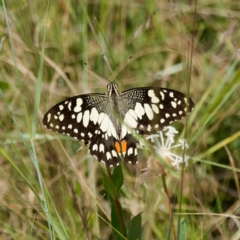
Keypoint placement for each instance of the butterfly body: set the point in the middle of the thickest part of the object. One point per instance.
(108, 121)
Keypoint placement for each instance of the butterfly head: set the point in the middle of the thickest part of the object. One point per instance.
(112, 89)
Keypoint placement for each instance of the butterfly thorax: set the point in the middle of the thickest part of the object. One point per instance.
(114, 107)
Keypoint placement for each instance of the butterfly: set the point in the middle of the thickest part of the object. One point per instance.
(109, 121)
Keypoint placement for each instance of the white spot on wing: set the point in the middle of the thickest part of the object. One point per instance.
(101, 148)
(124, 131)
(49, 117)
(174, 105)
(105, 123)
(139, 110)
(162, 95)
(151, 94)
(155, 108)
(171, 94)
(90, 135)
(61, 107)
(130, 151)
(114, 153)
(109, 130)
(132, 112)
(61, 117)
(79, 103)
(148, 111)
(86, 118)
(106, 136)
(95, 147)
(108, 154)
(130, 121)
(70, 106)
(100, 118)
(94, 115)
(75, 130)
(79, 117)
(113, 131)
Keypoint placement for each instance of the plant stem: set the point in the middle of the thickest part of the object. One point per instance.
(117, 205)
(169, 206)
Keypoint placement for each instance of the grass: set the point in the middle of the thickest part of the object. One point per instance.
(49, 190)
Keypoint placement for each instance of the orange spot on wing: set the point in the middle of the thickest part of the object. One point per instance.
(124, 146)
(117, 146)
(121, 148)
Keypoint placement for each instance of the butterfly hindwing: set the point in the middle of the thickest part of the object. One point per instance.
(105, 151)
(130, 156)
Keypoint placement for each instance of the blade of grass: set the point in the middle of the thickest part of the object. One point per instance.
(40, 75)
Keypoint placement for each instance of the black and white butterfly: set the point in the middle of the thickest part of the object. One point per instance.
(108, 122)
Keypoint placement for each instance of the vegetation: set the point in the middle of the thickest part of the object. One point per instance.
(48, 189)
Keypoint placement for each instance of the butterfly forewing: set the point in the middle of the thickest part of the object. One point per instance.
(106, 121)
(151, 109)
(77, 116)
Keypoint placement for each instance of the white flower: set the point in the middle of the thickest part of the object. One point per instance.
(165, 147)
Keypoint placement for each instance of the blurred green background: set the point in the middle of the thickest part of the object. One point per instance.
(172, 44)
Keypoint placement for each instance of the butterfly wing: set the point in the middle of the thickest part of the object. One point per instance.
(77, 116)
(84, 118)
(151, 109)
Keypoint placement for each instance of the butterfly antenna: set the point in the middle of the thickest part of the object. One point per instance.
(123, 67)
(97, 75)
(107, 62)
